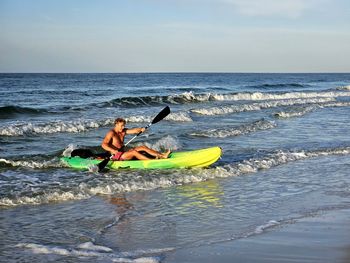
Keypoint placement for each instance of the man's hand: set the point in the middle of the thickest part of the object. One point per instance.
(114, 152)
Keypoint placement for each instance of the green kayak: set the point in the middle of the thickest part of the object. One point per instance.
(187, 159)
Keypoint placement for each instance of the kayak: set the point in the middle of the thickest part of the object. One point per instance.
(186, 159)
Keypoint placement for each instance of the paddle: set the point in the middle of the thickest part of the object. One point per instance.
(160, 116)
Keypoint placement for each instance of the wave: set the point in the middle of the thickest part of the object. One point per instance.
(257, 96)
(258, 106)
(280, 85)
(44, 198)
(24, 128)
(90, 250)
(85, 187)
(78, 126)
(176, 117)
(10, 111)
(34, 164)
(190, 97)
(302, 111)
(236, 131)
(294, 113)
(275, 159)
(344, 88)
(335, 104)
(186, 97)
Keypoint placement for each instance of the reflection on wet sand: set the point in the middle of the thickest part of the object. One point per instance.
(200, 195)
(121, 203)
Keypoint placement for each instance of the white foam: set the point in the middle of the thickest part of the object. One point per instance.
(335, 104)
(279, 158)
(33, 163)
(346, 88)
(179, 117)
(77, 126)
(44, 198)
(256, 96)
(89, 249)
(295, 113)
(262, 228)
(68, 151)
(165, 143)
(92, 247)
(189, 96)
(181, 177)
(175, 117)
(133, 181)
(303, 111)
(241, 130)
(258, 106)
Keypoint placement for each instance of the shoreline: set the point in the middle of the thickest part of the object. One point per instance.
(320, 238)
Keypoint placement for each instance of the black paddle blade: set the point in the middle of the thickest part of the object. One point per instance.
(103, 164)
(161, 115)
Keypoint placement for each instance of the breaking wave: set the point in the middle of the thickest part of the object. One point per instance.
(302, 111)
(258, 106)
(344, 88)
(176, 117)
(236, 131)
(186, 97)
(190, 97)
(84, 187)
(77, 126)
(24, 128)
(257, 96)
(294, 113)
(34, 164)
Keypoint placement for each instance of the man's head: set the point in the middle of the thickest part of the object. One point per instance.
(119, 123)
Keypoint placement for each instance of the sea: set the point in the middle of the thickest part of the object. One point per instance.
(286, 158)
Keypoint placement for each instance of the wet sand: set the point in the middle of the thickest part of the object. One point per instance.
(320, 238)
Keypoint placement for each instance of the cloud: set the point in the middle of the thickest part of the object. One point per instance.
(283, 8)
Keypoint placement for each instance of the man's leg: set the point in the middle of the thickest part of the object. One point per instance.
(133, 153)
(149, 151)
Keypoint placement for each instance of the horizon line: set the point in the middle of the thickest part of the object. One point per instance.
(180, 72)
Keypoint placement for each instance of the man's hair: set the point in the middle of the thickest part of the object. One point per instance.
(118, 120)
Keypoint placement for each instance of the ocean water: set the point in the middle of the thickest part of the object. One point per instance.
(286, 157)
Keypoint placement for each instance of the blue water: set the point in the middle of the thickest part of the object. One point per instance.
(286, 155)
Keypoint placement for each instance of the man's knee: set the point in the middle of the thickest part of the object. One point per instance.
(140, 148)
(134, 152)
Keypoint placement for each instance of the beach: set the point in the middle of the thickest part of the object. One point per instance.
(319, 238)
(279, 192)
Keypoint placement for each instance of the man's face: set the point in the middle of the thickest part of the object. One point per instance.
(120, 126)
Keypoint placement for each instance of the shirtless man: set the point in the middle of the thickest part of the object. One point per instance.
(114, 143)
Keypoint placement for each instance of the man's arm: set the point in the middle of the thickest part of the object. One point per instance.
(135, 130)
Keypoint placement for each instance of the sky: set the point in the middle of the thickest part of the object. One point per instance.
(174, 36)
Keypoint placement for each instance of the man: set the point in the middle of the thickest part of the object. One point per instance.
(114, 143)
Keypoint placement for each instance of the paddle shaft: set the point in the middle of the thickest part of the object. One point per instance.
(161, 115)
(137, 135)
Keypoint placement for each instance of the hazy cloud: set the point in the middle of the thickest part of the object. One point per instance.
(289, 8)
